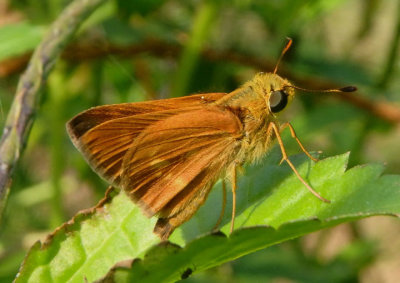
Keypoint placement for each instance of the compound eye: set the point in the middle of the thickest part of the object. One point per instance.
(278, 101)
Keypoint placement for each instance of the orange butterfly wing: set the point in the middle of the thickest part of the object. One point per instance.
(95, 116)
(104, 134)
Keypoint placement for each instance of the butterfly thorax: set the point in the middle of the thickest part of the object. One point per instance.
(255, 140)
(251, 104)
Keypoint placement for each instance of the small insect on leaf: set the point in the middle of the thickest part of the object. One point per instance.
(167, 154)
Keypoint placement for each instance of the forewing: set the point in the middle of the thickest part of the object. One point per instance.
(104, 134)
(168, 163)
(95, 116)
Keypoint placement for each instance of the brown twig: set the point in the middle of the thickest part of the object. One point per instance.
(79, 53)
(20, 116)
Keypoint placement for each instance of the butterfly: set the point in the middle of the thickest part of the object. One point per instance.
(167, 154)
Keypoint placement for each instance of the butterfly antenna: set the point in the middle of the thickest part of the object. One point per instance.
(287, 46)
(343, 89)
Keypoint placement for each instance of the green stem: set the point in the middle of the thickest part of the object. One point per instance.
(201, 29)
(392, 56)
(369, 13)
(57, 94)
(21, 115)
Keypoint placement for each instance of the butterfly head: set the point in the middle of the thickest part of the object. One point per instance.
(277, 91)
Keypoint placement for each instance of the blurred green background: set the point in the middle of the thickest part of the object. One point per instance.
(148, 49)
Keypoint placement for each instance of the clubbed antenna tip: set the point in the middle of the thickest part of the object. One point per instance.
(348, 89)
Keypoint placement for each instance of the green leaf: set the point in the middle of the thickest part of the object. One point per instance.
(20, 38)
(268, 194)
(287, 261)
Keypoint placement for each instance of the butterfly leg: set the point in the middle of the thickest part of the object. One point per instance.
(233, 183)
(293, 133)
(221, 216)
(272, 126)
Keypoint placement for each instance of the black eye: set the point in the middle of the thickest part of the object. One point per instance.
(278, 101)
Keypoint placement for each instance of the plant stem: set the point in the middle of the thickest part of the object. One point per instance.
(21, 115)
(55, 114)
(201, 29)
(391, 59)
